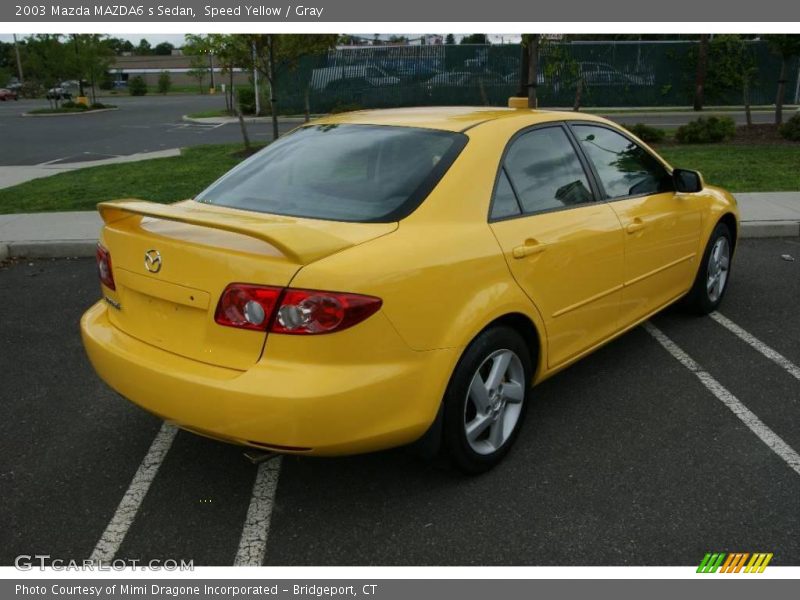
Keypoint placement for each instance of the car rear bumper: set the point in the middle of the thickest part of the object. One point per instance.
(285, 401)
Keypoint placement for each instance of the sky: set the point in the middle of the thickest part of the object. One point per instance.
(177, 39)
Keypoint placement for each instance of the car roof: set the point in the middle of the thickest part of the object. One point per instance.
(452, 118)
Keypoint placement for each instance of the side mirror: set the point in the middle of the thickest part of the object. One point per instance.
(686, 181)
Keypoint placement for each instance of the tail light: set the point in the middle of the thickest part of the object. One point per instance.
(104, 271)
(247, 306)
(292, 311)
(309, 311)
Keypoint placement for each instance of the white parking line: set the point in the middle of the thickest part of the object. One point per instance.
(746, 416)
(117, 528)
(753, 341)
(253, 543)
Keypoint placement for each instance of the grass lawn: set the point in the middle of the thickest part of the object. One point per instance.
(739, 168)
(159, 179)
(220, 112)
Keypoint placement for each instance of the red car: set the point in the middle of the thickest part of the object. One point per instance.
(6, 94)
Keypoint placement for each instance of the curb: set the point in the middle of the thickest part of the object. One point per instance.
(228, 120)
(68, 114)
(86, 248)
(49, 249)
(770, 229)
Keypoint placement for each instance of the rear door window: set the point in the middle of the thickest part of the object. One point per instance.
(545, 172)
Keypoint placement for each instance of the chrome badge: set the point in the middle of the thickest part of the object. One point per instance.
(152, 261)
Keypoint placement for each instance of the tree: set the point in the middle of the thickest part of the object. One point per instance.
(450, 39)
(276, 54)
(198, 47)
(787, 46)
(93, 55)
(164, 82)
(47, 62)
(163, 49)
(475, 38)
(732, 67)
(144, 48)
(700, 74)
(119, 46)
(529, 81)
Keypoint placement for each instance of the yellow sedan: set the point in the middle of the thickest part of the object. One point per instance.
(385, 277)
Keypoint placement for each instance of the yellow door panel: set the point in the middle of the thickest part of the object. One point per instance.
(570, 264)
(662, 239)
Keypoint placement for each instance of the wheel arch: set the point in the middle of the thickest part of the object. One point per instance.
(730, 221)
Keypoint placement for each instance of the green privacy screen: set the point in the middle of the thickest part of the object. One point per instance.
(610, 74)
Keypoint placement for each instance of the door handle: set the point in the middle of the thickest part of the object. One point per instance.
(529, 248)
(635, 225)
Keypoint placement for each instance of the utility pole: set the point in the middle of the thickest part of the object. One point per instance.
(19, 61)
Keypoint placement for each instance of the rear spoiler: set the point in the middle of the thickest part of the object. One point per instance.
(300, 242)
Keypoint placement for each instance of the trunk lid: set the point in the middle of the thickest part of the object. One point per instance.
(169, 301)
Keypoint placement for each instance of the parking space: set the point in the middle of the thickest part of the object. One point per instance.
(627, 458)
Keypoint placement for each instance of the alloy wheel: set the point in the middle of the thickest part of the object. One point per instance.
(494, 401)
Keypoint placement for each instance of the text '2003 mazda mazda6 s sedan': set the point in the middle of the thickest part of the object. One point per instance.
(378, 278)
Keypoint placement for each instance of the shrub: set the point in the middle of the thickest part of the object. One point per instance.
(791, 129)
(164, 82)
(107, 81)
(246, 96)
(706, 130)
(646, 133)
(342, 107)
(137, 86)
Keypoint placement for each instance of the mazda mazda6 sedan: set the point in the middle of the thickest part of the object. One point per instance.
(382, 278)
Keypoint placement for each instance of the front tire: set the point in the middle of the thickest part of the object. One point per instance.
(486, 400)
(714, 272)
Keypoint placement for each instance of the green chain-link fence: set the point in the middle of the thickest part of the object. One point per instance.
(612, 74)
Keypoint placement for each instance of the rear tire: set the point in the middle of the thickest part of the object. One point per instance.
(713, 275)
(486, 400)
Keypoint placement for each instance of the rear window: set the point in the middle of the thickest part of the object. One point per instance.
(360, 173)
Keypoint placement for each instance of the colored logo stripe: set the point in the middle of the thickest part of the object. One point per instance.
(733, 562)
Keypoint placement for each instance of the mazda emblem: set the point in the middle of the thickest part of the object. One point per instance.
(152, 261)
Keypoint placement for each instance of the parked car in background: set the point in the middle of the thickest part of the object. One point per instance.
(7, 94)
(332, 76)
(58, 93)
(600, 73)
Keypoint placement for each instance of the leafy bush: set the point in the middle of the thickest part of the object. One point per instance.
(107, 81)
(706, 130)
(164, 82)
(247, 100)
(137, 86)
(791, 129)
(646, 133)
(341, 107)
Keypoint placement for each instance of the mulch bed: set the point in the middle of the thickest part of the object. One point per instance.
(760, 134)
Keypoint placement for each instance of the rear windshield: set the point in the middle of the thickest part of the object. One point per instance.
(362, 173)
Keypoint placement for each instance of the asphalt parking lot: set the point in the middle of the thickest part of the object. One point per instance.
(153, 122)
(142, 124)
(627, 458)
